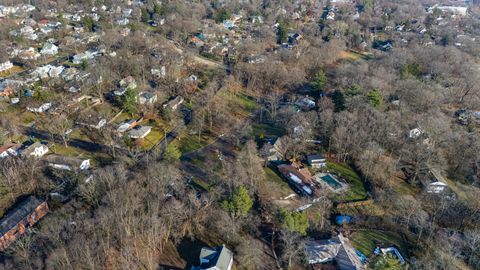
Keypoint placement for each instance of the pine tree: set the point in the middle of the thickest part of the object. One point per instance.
(239, 203)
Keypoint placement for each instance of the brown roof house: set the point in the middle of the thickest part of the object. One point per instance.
(15, 223)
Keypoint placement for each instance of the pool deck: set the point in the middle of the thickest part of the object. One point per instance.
(318, 179)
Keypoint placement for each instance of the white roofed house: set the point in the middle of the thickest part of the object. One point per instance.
(87, 55)
(139, 132)
(49, 49)
(67, 163)
(40, 109)
(36, 150)
(434, 182)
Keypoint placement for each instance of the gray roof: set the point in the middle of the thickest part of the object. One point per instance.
(337, 248)
(315, 157)
(20, 211)
(219, 257)
(322, 251)
(27, 151)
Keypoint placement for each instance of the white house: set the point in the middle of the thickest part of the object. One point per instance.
(8, 150)
(173, 103)
(49, 49)
(67, 163)
(40, 109)
(317, 161)
(35, 150)
(87, 55)
(5, 66)
(435, 182)
(146, 98)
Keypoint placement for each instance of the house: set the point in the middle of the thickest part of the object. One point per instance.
(9, 149)
(40, 109)
(35, 150)
(26, 54)
(434, 182)
(16, 222)
(316, 161)
(337, 250)
(415, 133)
(271, 150)
(173, 104)
(124, 126)
(5, 66)
(305, 103)
(299, 177)
(87, 55)
(158, 73)
(219, 258)
(6, 89)
(94, 122)
(139, 132)
(67, 163)
(128, 83)
(122, 21)
(49, 49)
(146, 98)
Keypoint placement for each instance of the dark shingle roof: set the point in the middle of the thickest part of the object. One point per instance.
(21, 210)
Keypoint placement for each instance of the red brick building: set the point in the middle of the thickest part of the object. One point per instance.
(14, 224)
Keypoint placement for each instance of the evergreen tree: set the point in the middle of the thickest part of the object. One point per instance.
(338, 100)
(128, 101)
(294, 222)
(320, 81)
(239, 203)
(375, 98)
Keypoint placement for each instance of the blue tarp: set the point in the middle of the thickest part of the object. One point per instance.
(361, 256)
(343, 219)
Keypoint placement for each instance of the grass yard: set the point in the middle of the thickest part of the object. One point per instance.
(96, 159)
(11, 71)
(403, 187)
(363, 210)
(366, 241)
(356, 189)
(265, 130)
(190, 142)
(275, 185)
(354, 55)
(152, 139)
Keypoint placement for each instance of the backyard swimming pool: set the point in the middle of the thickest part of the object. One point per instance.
(331, 181)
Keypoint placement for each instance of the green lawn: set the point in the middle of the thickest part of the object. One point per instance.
(96, 158)
(248, 103)
(280, 186)
(403, 187)
(265, 130)
(356, 189)
(153, 138)
(190, 142)
(366, 241)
